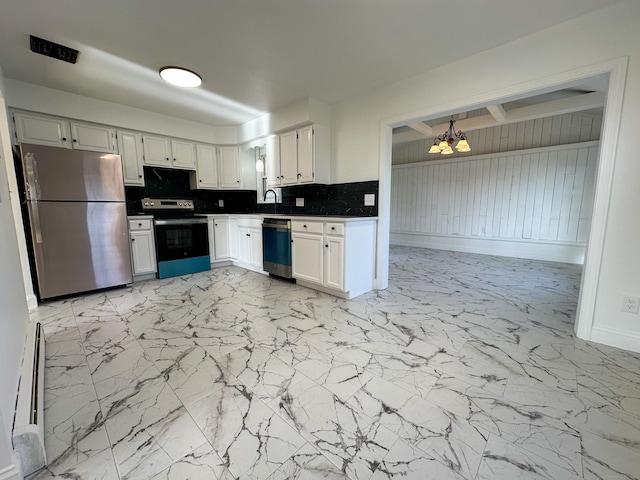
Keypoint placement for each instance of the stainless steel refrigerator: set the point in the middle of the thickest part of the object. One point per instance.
(77, 219)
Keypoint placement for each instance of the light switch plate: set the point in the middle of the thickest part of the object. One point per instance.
(369, 199)
(299, 202)
(221, 203)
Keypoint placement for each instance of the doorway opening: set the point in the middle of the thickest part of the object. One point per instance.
(614, 71)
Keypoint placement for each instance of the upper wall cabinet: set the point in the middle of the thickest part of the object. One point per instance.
(130, 149)
(216, 168)
(206, 174)
(230, 172)
(56, 132)
(299, 156)
(169, 153)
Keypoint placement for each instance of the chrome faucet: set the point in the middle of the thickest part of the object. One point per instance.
(275, 195)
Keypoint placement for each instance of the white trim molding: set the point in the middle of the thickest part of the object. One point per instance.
(616, 338)
(532, 250)
(12, 472)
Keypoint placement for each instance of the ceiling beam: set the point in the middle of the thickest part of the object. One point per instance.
(422, 128)
(498, 112)
(577, 103)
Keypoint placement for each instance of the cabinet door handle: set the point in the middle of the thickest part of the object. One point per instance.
(64, 139)
(333, 228)
(174, 159)
(200, 181)
(299, 175)
(304, 226)
(167, 159)
(139, 176)
(74, 140)
(139, 224)
(248, 234)
(133, 239)
(237, 181)
(216, 224)
(327, 246)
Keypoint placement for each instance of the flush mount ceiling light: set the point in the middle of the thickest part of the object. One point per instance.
(180, 77)
(442, 143)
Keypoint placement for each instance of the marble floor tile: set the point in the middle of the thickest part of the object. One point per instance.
(98, 467)
(502, 459)
(465, 368)
(202, 463)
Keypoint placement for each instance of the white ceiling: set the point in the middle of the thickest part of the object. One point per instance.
(255, 55)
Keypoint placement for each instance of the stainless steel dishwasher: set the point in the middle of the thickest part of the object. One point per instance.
(276, 246)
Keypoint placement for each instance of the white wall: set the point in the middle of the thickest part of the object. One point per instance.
(533, 203)
(35, 98)
(501, 74)
(13, 306)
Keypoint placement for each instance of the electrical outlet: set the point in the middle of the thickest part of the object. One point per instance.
(369, 199)
(299, 202)
(221, 203)
(630, 304)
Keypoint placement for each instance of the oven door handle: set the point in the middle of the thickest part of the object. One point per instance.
(181, 221)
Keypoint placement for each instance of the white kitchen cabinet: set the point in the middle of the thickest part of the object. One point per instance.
(272, 161)
(308, 257)
(304, 157)
(219, 239)
(183, 154)
(130, 149)
(248, 237)
(221, 236)
(157, 151)
(306, 153)
(169, 153)
(58, 132)
(95, 138)
(336, 257)
(289, 158)
(206, 174)
(143, 251)
(334, 262)
(41, 130)
(230, 174)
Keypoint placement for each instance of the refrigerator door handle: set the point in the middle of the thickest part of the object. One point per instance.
(31, 174)
(35, 218)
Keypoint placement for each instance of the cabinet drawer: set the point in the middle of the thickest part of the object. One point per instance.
(307, 227)
(142, 224)
(335, 229)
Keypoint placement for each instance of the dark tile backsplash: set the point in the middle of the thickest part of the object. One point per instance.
(339, 199)
(330, 200)
(166, 183)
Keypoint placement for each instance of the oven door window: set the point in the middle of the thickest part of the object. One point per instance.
(175, 242)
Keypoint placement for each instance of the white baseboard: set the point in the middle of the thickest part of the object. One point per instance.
(616, 338)
(32, 302)
(553, 252)
(12, 472)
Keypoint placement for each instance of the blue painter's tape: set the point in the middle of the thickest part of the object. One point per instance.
(174, 268)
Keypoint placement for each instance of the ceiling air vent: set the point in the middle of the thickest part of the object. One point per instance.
(53, 50)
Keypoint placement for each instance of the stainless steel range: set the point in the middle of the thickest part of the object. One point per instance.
(182, 241)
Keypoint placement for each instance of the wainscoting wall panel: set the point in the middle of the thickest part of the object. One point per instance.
(533, 197)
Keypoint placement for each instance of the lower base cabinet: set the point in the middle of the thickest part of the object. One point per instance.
(143, 249)
(219, 248)
(249, 238)
(337, 257)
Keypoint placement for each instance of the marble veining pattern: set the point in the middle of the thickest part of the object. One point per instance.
(465, 368)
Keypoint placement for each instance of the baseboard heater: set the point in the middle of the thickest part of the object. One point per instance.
(28, 426)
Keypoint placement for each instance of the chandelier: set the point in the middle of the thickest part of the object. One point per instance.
(442, 143)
